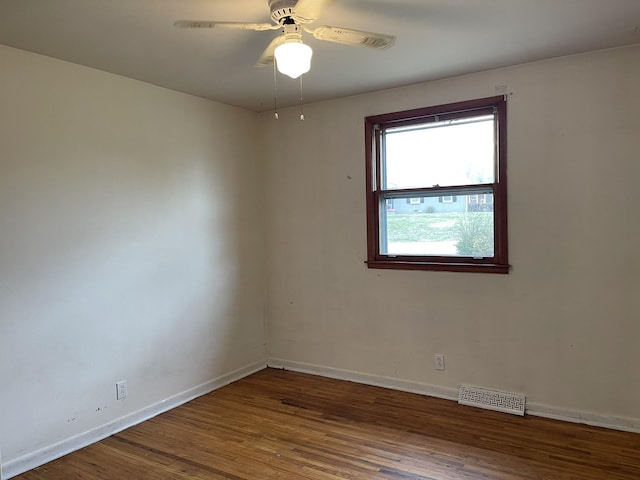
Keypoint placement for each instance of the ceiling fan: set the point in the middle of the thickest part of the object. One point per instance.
(292, 56)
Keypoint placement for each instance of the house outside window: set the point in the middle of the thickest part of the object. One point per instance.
(389, 205)
(448, 164)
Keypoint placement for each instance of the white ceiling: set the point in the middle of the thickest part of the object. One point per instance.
(435, 39)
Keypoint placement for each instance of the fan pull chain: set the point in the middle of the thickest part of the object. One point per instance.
(301, 106)
(275, 91)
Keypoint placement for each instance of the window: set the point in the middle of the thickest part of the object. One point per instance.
(450, 159)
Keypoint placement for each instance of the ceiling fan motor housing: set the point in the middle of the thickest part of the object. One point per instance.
(281, 9)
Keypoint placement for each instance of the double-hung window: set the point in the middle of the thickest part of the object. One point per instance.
(444, 170)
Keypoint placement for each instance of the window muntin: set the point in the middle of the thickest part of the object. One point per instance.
(444, 170)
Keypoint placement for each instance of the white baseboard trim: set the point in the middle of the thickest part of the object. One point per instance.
(366, 378)
(623, 424)
(51, 452)
(535, 409)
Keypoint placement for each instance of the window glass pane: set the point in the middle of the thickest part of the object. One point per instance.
(462, 227)
(453, 152)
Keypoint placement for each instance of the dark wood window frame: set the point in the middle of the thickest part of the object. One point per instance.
(375, 125)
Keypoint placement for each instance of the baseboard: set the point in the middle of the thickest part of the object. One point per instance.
(535, 409)
(366, 378)
(44, 455)
(623, 424)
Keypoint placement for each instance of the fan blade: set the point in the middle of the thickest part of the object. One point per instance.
(258, 27)
(307, 11)
(355, 38)
(267, 57)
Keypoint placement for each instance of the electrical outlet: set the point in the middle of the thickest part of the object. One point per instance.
(121, 390)
(438, 361)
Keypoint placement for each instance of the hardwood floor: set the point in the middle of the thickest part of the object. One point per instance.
(284, 425)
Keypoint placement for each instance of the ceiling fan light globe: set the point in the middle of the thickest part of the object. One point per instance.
(293, 58)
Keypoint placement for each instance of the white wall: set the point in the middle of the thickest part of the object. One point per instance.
(131, 248)
(562, 327)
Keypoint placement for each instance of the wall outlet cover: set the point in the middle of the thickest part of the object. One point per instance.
(121, 390)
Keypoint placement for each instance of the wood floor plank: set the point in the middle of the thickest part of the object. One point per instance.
(277, 424)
